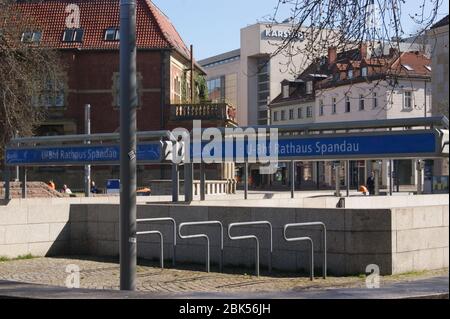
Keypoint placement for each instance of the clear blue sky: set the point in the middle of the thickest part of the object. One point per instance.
(213, 26)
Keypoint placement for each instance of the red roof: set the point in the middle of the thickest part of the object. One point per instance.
(154, 30)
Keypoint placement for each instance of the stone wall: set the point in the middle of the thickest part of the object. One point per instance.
(398, 240)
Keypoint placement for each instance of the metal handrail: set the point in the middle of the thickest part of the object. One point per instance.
(324, 228)
(256, 240)
(162, 219)
(155, 232)
(87, 137)
(213, 222)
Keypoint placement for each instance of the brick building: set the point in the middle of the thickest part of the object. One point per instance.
(86, 34)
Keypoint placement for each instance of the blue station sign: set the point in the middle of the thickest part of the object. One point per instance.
(324, 147)
(79, 155)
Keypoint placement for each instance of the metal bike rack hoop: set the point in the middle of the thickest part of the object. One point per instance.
(164, 219)
(324, 230)
(213, 222)
(256, 240)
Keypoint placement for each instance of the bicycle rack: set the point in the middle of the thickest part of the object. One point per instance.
(256, 239)
(163, 219)
(324, 266)
(207, 239)
(161, 241)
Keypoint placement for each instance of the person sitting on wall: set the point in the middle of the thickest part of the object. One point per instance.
(371, 183)
(51, 184)
(66, 190)
(94, 189)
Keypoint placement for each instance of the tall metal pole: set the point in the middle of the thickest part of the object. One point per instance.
(292, 177)
(192, 75)
(7, 177)
(128, 103)
(347, 177)
(246, 180)
(87, 168)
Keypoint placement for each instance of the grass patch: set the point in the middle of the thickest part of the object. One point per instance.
(20, 257)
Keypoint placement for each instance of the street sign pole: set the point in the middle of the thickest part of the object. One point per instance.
(128, 103)
(87, 168)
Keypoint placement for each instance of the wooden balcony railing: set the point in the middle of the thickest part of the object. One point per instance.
(203, 111)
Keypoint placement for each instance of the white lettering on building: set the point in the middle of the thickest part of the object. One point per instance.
(73, 19)
(282, 34)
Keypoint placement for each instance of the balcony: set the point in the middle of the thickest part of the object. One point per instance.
(219, 112)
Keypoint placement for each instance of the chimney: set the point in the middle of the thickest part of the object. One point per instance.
(393, 52)
(332, 55)
(363, 50)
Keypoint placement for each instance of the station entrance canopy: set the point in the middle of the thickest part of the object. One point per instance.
(394, 139)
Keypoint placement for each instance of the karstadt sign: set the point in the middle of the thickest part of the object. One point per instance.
(271, 33)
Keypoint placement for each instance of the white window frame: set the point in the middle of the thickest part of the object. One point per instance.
(374, 100)
(321, 108)
(285, 91)
(362, 102)
(410, 98)
(333, 105)
(309, 87)
(309, 112)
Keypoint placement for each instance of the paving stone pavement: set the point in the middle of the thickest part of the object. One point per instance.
(104, 274)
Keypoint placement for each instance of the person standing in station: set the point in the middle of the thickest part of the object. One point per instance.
(371, 183)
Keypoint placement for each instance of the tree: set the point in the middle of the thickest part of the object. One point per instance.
(346, 24)
(27, 69)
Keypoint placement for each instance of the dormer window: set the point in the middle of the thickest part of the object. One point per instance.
(350, 74)
(285, 91)
(408, 67)
(31, 37)
(73, 35)
(364, 72)
(112, 34)
(309, 87)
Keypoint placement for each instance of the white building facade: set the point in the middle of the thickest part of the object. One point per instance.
(257, 70)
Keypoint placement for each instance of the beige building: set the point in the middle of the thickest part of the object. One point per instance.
(255, 70)
(438, 40)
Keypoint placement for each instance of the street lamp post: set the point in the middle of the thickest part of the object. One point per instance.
(128, 103)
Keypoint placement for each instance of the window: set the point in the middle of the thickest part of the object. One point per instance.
(176, 90)
(112, 34)
(309, 112)
(52, 96)
(309, 87)
(361, 102)
(321, 107)
(285, 91)
(73, 35)
(275, 116)
(347, 104)
(374, 100)
(283, 115)
(300, 112)
(408, 100)
(407, 67)
(350, 74)
(333, 107)
(364, 72)
(31, 37)
(291, 114)
(216, 89)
